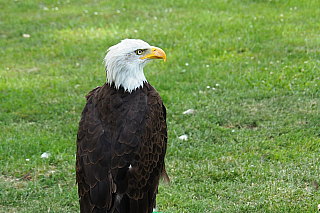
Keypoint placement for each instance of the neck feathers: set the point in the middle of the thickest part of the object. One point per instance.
(130, 79)
(123, 73)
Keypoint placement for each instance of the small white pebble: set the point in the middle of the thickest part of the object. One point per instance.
(233, 130)
(252, 58)
(27, 159)
(213, 88)
(45, 155)
(302, 70)
(95, 13)
(189, 111)
(187, 64)
(271, 62)
(155, 18)
(281, 15)
(259, 62)
(208, 87)
(271, 73)
(183, 137)
(45, 8)
(278, 62)
(291, 8)
(306, 62)
(207, 65)
(26, 35)
(247, 62)
(135, 31)
(217, 85)
(118, 11)
(295, 8)
(281, 19)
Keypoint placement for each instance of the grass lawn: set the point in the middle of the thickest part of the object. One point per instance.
(249, 68)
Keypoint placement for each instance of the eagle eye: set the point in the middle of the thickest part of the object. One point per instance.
(139, 51)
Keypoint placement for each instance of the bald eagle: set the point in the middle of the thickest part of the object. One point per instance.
(122, 136)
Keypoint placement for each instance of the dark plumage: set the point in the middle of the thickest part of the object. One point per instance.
(121, 145)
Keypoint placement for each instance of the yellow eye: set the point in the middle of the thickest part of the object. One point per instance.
(139, 52)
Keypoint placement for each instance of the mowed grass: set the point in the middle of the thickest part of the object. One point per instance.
(249, 68)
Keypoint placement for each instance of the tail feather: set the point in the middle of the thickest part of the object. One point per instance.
(129, 205)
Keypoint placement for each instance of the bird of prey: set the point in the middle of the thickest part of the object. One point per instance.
(122, 136)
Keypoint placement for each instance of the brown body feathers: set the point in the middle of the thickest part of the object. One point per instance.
(121, 145)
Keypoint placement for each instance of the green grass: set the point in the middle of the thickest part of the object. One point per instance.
(253, 144)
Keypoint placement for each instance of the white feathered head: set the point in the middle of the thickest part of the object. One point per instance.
(125, 61)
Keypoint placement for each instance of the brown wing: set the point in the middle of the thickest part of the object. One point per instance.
(148, 164)
(93, 151)
(121, 145)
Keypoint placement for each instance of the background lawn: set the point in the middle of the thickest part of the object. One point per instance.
(249, 68)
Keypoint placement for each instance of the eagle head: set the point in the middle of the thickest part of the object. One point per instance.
(125, 61)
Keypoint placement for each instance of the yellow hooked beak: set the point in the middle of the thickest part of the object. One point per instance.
(156, 53)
